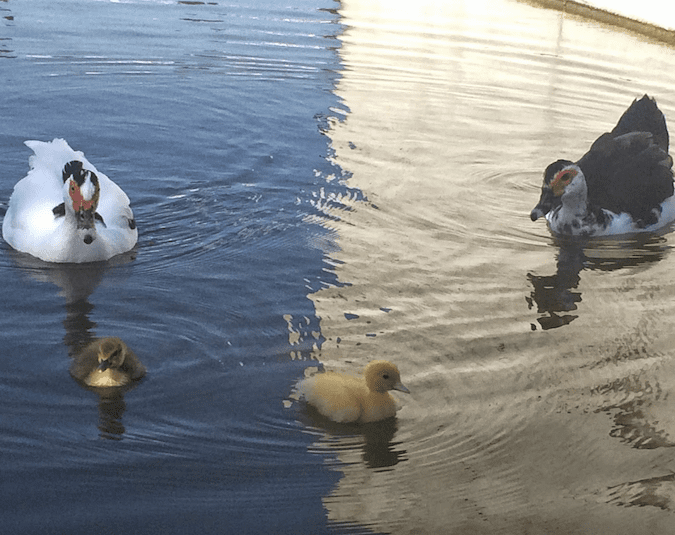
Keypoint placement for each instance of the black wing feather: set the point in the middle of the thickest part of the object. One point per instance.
(629, 169)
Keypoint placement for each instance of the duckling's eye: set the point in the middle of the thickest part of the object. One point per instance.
(385, 376)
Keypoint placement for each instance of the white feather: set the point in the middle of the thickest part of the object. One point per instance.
(30, 225)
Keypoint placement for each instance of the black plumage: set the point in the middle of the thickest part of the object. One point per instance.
(626, 170)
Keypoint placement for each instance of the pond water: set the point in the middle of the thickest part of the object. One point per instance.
(329, 184)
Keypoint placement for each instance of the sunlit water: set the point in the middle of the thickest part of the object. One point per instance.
(335, 183)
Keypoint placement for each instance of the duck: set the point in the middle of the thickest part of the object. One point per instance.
(351, 399)
(64, 210)
(622, 185)
(107, 362)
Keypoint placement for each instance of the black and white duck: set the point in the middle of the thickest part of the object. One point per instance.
(623, 184)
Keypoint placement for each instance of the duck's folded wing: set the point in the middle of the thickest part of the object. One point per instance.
(628, 173)
(644, 116)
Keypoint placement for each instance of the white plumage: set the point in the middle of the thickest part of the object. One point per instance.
(65, 210)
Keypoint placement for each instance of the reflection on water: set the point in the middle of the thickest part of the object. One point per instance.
(111, 407)
(210, 115)
(526, 414)
(444, 114)
(77, 282)
(374, 440)
(555, 295)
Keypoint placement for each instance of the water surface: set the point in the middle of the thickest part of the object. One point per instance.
(210, 117)
(327, 184)
(540, 369)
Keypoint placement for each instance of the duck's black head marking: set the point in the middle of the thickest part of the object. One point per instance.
(547, 201)
(553, 169)
(75, 171)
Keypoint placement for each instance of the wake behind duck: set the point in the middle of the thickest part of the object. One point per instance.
(65, 210)
(623, 184)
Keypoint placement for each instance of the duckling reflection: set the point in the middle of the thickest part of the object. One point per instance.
(108, 367)
(376, 440)
(76, 283)
(344, 398)
(107, 362)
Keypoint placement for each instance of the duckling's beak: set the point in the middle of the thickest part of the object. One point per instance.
(399, 386)
(103, 365)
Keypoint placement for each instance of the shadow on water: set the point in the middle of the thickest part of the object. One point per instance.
(77, 282)
(556, 295)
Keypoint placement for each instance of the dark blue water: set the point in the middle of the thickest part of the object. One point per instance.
(211, 117)
(335, 182)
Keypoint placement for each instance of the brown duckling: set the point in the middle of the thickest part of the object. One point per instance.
(107, 362)
(345, 398)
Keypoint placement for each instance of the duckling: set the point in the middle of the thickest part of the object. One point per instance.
(344, 398)
(65, 210)
(107, 362)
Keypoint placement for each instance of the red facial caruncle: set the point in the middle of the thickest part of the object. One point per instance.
(561, 180)
(79, 202)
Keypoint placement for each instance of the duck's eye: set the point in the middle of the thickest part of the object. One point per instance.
(385, 376)
(566, 176)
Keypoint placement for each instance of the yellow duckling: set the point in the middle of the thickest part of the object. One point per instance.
(344, 398)
(107, 362)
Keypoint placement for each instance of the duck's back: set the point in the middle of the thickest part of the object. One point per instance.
(628, 170)
(335, 396)
(644, 116)
(344, 398)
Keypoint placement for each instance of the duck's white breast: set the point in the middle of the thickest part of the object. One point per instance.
(620, 223)
(30, 225)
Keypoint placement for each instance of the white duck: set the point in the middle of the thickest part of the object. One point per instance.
(65, 210)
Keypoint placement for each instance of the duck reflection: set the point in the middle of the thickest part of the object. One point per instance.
(76, 283)
(642, 415)
(555, 296)
(653, 491)
(6, 42)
